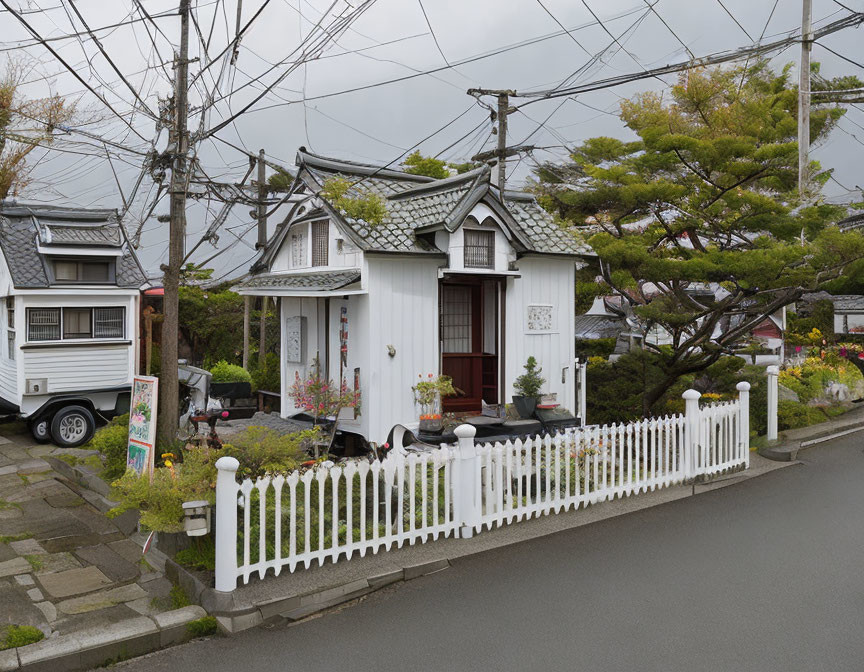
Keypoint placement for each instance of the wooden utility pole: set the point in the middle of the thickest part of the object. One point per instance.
(262, 242)
(178, 145)
(804, 97)
(500, 116)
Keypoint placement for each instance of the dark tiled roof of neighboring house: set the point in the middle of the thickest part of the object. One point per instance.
(321, 281)
(24, 227)
(848, 303)
(591, 327)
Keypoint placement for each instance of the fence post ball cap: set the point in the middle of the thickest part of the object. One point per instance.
(773, 370)
(691, 395)
(465, 431)
(743, 386)
(227, 463)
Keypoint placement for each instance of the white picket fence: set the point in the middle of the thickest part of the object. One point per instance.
(335, 512)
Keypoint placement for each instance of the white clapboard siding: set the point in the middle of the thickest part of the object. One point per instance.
(79, 367)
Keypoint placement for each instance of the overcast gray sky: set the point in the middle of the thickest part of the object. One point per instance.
(391, 40)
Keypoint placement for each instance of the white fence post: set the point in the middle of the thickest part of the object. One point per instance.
(466, 499)
(582, 373)
(691, 432)
(744, 419)
(226, 524)
(773, 395)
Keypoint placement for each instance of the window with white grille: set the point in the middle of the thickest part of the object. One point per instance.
(10, 327)
(55, 324)
(43, 324)
(479, 248)
(109, 322)
(320, 242)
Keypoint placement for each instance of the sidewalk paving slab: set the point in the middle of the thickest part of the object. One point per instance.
(74, 581)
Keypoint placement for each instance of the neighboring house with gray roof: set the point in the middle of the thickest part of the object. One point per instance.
(69, 287)
(848, 313)
(454, 280)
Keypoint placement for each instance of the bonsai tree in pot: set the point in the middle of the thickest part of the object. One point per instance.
(527, 389)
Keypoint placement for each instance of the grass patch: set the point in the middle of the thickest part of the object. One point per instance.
(202, 627)
(35, 562)
(201, 555)
(8, 538)
(24, 479)
(146, 565)
(71, 460)
(4, 505)
(179, 598)
(14, 636)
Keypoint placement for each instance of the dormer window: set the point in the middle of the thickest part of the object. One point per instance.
(83, 271)
(479, 249)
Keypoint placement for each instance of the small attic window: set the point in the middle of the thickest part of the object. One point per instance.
(479, 249)
(320, 242)
(87, 272)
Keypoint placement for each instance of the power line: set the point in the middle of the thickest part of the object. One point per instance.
(737, 23)
(561, 25)
(839, 55)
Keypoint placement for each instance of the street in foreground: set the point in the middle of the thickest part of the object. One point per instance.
(765, 575)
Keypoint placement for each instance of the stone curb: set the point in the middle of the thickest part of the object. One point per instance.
(789, 443)
(96, 648)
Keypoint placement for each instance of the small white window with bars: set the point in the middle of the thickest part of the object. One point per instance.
(479, 248)
(109, 322)
(10, 327)
(43, 324)
(320, 242)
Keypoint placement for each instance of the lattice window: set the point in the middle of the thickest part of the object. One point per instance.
(109, 322)
(479, 249)
(320, 242)
(10, 326)
(43, 324)
(456, 319)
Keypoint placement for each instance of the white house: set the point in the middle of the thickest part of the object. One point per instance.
(69, 292)
(848, 314)
(453, 280)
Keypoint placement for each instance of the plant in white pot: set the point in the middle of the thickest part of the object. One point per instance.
(527, 389)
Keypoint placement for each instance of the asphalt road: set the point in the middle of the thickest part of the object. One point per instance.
(765, 575)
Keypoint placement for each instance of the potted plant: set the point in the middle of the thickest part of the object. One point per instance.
(230, 381)
(428, 394)
(527, 389)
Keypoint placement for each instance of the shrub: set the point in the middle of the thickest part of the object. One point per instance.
(792, 415)
(111, 441)
(200, 555)
(202, 627)
(530, 382)
(19, 635)
(367, 207)
(268, 376)
(223, 372)
(598, 347)
(262, 451)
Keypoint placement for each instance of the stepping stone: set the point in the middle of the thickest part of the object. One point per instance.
(35, 594)
(77, 452)
(143, 606)
(8, 553)
(57, 562)
(115, 566)
(102, 599)
(11, 513)
(27, 547)
(64, 501)
(18, 608)
(73, 581)
(14, 566)
(48, 610)
(40, 451)
(25, 580)
(128, 549)
(11, 469)
(33, 466)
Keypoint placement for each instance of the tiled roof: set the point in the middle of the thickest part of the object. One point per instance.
(599, 326)
(848, 302)
(416, 203)
(320, 281)
(23, 227)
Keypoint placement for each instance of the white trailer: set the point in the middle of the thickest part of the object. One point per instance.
(69, 305)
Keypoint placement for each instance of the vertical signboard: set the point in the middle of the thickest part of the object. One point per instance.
(142, 425)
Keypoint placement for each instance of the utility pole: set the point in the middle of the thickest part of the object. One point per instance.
(500, 116)
(804, 97)
(169, 412)
(262, 242)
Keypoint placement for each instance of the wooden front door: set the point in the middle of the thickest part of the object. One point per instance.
(468, 319)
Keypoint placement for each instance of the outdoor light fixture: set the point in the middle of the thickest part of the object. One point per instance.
(197, 520)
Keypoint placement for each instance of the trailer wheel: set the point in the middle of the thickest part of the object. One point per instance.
(72, 426)
(41, 429)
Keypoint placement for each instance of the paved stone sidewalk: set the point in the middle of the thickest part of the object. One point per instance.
(64, 566)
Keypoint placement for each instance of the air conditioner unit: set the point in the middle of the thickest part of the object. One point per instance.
(36, 386)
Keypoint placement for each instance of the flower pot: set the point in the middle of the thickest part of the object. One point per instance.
(431, 415)
(525, 406)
